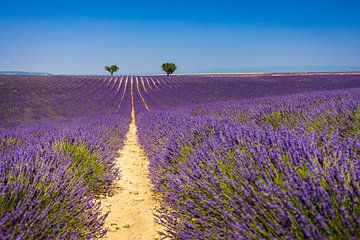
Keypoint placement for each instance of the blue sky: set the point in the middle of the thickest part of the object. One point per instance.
(80, 37)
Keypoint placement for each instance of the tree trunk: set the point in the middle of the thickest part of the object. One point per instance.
(168, 74)
(112, 73)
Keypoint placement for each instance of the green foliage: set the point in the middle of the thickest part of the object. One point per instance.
(277, 118)
(86, 163)
(111, 69)
(352, 127)
(169, 68)
(198, 111)
(7, 144)
(185, 153)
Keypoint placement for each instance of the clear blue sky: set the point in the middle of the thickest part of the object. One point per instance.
(80, 37)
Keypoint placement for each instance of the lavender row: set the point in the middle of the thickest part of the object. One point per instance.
(58, 159)
(270, 168)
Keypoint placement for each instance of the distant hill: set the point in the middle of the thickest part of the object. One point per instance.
(23, 73)
(269, 69)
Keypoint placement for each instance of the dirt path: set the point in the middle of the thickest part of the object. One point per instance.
(132, 205)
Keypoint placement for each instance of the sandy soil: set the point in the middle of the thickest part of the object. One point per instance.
(132, 204)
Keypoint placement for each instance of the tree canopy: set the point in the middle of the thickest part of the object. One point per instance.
(169, 68)
(111, 69)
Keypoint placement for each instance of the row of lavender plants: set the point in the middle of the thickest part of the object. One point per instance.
(58, 142)
(280, 167)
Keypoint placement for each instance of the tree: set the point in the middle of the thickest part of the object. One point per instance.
(111, 69)
(169, 68)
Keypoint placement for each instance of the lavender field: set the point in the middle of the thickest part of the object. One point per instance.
(272, 156)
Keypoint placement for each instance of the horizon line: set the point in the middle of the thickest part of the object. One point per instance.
(191, 74)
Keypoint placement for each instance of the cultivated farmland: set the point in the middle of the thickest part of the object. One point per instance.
(271, 156)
